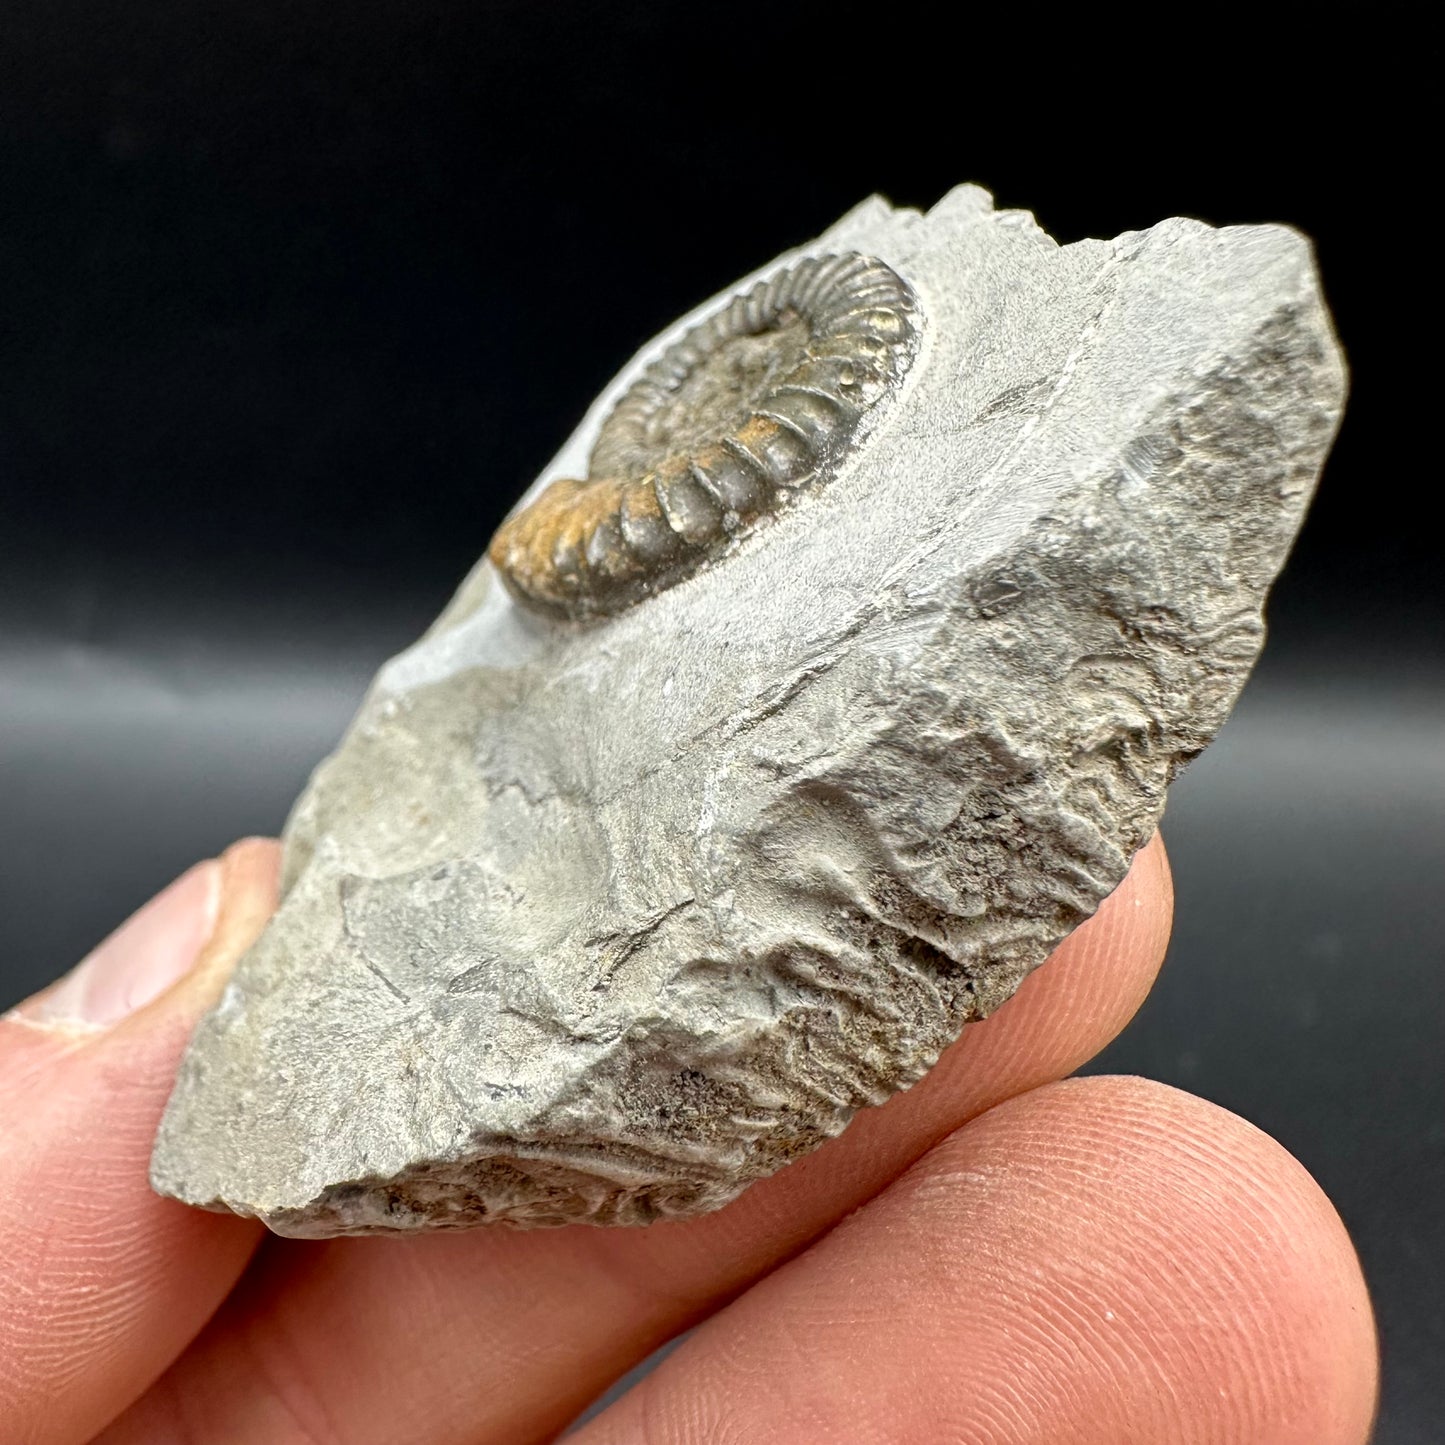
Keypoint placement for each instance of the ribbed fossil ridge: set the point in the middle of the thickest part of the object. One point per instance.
(759, 400)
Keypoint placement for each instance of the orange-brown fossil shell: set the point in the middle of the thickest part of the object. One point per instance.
(759, 400)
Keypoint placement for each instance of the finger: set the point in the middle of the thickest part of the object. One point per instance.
(1098, 1261)
(106, 1282)
(506, 1337)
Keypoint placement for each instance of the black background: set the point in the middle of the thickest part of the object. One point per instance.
(295, 299)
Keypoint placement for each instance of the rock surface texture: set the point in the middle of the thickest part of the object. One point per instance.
(602, 919)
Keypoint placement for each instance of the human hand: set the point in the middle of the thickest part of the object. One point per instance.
(999, 1255)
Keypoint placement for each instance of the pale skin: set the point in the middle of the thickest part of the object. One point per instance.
(999, 1255)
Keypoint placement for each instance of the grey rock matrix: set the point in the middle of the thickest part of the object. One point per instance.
(603, 920)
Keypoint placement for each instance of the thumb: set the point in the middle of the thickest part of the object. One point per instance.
(105, 1282)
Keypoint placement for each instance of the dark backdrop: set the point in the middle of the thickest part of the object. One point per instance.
(296, 297)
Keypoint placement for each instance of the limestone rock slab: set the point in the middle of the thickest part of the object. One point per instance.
(601, 920)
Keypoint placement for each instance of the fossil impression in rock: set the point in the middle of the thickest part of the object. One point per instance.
(831, 674)
(759, 399)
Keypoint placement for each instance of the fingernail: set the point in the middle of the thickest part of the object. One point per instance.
(140, 960)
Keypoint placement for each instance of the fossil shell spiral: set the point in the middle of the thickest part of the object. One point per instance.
(759, 400)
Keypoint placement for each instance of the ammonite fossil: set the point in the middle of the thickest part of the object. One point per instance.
(602, 912)
(750, 405)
